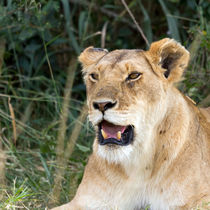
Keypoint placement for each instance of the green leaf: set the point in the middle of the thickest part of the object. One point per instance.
(82, 148)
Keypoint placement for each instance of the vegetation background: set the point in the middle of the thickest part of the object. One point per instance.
(45, 138)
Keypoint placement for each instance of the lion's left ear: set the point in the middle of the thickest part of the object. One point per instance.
(170, 56)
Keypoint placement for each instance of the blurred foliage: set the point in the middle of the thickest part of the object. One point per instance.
(39, 38)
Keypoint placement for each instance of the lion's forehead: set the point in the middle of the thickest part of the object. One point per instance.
(121, 56)
(122, 62)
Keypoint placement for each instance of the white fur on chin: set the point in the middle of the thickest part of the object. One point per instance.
(115, 154)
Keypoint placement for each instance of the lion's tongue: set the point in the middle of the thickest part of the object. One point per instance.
(111, 130)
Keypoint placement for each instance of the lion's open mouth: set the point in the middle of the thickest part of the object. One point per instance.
(115, 134)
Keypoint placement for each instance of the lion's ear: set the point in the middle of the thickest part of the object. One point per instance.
(171, 56)
(91, 55)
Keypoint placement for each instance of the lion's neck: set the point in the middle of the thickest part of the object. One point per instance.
(174, 127)
(172, 133)
(166, 138)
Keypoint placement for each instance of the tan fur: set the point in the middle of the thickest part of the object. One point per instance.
(168, 164)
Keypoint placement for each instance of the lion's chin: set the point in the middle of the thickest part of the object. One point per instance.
(115, 135)
(115, 153)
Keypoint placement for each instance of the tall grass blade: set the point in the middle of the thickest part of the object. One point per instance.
(134, 20)
(82, 24)
(48, 174)
(172, 22)
(67, 15)
(25, 117)
(146, 22)
(67, 154)
(54, 198)
(3, 158)
(76, 131)
(2, 152)
(2, 50)
(12, 115)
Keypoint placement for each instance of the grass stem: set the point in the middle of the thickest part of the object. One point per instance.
(62, 131)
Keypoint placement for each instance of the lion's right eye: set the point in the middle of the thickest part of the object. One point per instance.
(94, 77)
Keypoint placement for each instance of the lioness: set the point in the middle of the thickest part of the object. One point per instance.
(152, 144)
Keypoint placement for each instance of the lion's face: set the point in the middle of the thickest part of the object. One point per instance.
(127, 97)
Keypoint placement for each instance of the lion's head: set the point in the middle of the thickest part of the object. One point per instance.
(127, 94)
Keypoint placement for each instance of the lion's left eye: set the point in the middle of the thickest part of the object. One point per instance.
(133, 76)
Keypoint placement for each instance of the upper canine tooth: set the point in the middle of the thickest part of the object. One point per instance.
(119, 135)
(104, 134)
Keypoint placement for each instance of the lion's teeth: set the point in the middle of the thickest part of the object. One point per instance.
(119, 135)
(104, 134)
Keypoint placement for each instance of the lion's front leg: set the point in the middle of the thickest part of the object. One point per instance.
(86, 200)
(93, 192)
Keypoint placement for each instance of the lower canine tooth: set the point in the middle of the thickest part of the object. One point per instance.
(104, 134)
(118, 135)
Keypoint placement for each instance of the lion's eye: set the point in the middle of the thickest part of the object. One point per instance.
(133, 76)
(94, 76)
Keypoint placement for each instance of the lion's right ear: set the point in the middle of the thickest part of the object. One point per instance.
(91, 55)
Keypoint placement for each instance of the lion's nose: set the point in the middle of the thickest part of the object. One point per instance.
(103, 106)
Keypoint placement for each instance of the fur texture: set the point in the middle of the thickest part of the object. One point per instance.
(167, 166)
